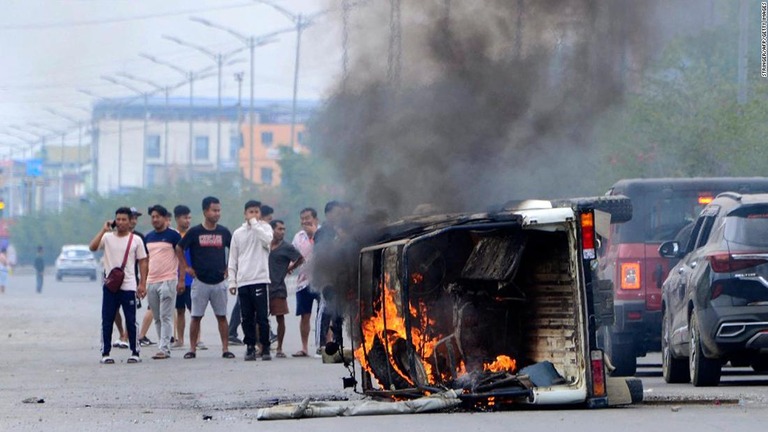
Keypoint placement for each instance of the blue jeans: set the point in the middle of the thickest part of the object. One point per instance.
(39, 282)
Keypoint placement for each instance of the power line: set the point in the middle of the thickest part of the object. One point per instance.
(43, 26)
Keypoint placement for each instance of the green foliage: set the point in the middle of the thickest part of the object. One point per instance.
(685, 119)
(305, 182)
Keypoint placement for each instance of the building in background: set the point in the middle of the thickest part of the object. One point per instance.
(129, 145)
(139, 146)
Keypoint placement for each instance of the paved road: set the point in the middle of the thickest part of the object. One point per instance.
(49, 350)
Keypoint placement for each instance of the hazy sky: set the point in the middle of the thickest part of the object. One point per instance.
(52, 48)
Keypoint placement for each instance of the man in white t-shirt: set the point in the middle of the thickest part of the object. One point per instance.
(114, 238)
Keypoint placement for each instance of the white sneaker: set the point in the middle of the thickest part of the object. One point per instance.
(201, 346)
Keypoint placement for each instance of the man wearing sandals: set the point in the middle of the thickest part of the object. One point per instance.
(162, 280)
(206, 244)
(249, 278)
(115, 244)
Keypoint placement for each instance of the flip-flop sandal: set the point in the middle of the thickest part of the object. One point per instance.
(107, 360)
(133, 359)
(190, 355)
(280, 354)
(160, 356)
(300, 354)
(227, 355)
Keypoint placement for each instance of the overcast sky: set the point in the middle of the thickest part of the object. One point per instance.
(52, 48)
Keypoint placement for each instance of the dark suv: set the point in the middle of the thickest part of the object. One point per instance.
(630, 256)
(715, 300)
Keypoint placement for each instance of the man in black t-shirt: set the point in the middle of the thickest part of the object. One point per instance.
(206, 244)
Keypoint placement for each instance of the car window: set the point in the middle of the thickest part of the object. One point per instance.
(658, 217)
(76, 253)
(748, 225)
(706, 229)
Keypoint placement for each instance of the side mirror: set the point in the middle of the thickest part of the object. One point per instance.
(670, 249)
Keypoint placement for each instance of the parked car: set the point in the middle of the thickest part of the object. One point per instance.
(715, 300)
(76, 260)
(629, 257)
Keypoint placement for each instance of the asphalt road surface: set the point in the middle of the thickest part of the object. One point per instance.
(49, 352)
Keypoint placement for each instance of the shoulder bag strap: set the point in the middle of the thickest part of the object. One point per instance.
(127, 249)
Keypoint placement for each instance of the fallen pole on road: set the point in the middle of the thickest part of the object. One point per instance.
(307, 409)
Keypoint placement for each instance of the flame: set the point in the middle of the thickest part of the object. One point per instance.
(501, 364)
(387, 323)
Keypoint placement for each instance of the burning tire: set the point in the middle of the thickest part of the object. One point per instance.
(387, 375)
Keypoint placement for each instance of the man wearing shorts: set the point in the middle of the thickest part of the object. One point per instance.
(206, 244)
(283, 259)
(183, 217)
(303, 241)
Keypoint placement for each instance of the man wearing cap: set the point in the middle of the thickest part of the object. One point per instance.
(162, 279)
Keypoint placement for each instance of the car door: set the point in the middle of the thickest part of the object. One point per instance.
(684, 271)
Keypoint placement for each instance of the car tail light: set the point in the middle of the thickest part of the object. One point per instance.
(635, 315)
(588, 235)
(723, 262)
(598, 373)
(630, 275)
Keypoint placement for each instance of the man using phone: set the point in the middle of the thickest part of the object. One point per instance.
(118, 246)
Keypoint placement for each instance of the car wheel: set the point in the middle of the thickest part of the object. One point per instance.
(93, 277)
(59, 277)
(622, 355)
(704, 372)
(674, 370)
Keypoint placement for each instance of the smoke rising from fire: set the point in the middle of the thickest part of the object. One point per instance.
(496, 99)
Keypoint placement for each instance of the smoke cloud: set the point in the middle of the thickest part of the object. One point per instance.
(495, 99)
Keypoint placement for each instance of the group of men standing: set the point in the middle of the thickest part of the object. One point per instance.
(255, 268)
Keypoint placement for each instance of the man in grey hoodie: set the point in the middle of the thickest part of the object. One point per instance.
(249, 278)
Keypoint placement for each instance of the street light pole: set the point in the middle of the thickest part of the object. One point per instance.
(166, 91)
(251, 42)
(60, 193)
(219, 59)
(300, 22)
(145, 95)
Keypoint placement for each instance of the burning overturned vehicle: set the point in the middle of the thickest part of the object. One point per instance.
(484, 311)
(500, 308)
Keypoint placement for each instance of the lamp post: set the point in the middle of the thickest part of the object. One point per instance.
(251, 42)
(119, 107)
(219, 59)
(166, 91)
(191, 76)
(300, 22)
(60, 193)
(145, 95)
(79, 125)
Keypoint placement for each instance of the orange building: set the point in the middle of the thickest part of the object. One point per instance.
(266, 146)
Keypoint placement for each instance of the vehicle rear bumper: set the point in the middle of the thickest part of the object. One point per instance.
(76, 271)
(725, 330)
(634, 324)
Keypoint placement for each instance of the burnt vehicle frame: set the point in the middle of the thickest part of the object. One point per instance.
(490, 255)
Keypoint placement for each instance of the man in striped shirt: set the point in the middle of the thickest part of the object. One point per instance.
(162, 280)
